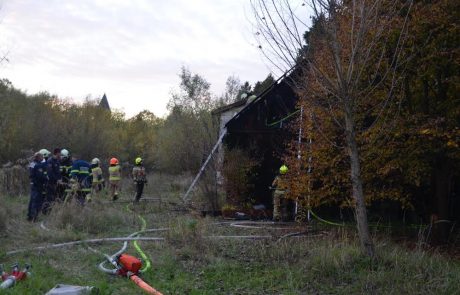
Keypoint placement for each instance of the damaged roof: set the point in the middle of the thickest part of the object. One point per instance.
(268, 110)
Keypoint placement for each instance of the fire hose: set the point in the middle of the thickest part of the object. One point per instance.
(115, 259)
(136, 244)
(127, 265)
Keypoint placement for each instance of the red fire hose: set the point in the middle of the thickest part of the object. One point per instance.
(130, 266)
(143, 285)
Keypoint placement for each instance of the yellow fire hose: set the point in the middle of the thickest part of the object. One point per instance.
(136, 244)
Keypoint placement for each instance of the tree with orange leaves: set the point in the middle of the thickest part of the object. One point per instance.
(343, 65)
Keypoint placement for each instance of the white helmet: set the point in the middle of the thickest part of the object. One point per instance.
(65, 153)
(46, 153)
(95, 161)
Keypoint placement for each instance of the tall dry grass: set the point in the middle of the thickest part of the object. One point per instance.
(91, 218)
(3, 221)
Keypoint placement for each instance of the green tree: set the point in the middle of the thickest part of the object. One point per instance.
(188, 132)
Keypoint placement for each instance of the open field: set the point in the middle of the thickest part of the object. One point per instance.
(192, 260)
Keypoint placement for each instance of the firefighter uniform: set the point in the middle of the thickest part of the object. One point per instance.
(97, 178)
(114, 178)
(80, 172)
(139, 178)
(278, 194)
(53, 168)
(38, 181)
(65, 166)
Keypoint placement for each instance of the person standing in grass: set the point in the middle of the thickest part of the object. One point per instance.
(38, 180)
(65, 166)
(81, 177)
(98, 180)
(53, 166)
(278, 194)
(139, 178)
(114, 178)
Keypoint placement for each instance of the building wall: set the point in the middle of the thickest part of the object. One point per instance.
(224, 117)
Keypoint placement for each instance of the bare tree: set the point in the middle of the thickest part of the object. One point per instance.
(232, 89)
(345, 57)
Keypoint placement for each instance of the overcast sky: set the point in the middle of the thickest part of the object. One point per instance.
(131, 50)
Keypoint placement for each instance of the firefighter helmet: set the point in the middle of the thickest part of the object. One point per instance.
(65, 153)
(283, 169)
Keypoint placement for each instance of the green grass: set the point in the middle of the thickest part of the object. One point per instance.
(188, 262)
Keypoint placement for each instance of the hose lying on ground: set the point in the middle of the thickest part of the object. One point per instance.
(133, 276)
(119, 239)
(132, 237)
(89, 241)
(123, 248)
(136, 245)
(264, 225)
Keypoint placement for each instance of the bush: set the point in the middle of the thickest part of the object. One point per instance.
(238, 170)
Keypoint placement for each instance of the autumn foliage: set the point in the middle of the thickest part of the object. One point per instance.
(407, 127)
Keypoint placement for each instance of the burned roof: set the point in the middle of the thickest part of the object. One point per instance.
(228, 107)
(269, 110)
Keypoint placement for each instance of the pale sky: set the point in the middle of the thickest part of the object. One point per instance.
(131, 50)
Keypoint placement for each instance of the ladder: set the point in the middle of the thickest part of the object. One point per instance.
(186, 197)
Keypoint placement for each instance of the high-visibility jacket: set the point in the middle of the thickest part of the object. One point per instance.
(96, 172)
(278, 186)
(139, 174)
(114, 173)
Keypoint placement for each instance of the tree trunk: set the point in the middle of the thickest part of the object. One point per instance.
(442, 184)
(357, 185)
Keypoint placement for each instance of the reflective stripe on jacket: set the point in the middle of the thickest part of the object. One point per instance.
(66, 166)
(114, 173)
(81, 170)
(97, 174)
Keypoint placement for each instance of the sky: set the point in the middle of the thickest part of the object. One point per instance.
(130, 50)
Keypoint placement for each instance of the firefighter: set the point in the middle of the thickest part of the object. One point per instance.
(278, 193)
(38, 180)
(66, 166)
(66, 163)
(96, 173)
(139, 178)
(53, 168)
(80, 174)
(114, 178)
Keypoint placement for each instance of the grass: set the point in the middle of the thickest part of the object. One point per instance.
(188, 262)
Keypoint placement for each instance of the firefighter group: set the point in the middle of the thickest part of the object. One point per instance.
(58, 176)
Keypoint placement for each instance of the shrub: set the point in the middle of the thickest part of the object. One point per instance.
(238, 171)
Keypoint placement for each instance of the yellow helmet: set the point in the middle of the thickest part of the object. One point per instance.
(283, 169)
(138, 160)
